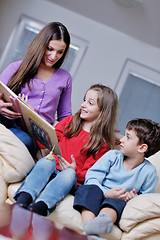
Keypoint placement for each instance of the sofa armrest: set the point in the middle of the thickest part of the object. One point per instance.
(146, 230)
(15, 159)
(3, 187)
(140, 213)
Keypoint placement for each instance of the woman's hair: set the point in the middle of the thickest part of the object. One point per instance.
(148, 132)
(31, 62)
(103, 127)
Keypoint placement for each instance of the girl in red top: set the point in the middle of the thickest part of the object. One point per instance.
(83, 139)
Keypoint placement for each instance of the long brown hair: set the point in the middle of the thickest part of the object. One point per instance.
(31, 62)
(103, 127)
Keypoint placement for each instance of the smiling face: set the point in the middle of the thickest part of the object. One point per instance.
(54, 52)
(89, 108)
(129, 143)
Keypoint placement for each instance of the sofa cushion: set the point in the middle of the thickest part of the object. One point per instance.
(15, 159)
(146, 230)
(12, 188)
(66, 215)
(3, 188)
(138, 210)
(155, 160)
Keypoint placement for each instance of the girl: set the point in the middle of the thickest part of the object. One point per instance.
(83, 139)
(40, 78)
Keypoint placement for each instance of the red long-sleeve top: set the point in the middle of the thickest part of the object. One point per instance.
(73, 146)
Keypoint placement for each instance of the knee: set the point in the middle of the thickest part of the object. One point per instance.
(70, 175)
(47, 163)
(71, 172)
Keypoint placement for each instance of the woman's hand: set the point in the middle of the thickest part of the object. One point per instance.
(63, 164)
(7, 112)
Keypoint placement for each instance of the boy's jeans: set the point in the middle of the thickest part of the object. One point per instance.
(51, 191)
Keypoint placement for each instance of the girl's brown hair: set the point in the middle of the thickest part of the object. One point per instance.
(103, 127)
(31, 62)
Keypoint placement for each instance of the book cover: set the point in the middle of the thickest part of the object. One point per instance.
(31, 121)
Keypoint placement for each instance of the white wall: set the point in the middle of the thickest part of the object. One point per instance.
(107, 51)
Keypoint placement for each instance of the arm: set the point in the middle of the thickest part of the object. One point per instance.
(150, 180)
(82, 161)
(8, 72)
(59, 127)
(64, 106)
(89, 162)
(64, 164)
(97, 173)
(4, 77)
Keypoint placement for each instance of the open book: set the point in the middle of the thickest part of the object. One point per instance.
(31, 121)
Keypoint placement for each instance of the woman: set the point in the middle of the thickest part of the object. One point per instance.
(40, 79)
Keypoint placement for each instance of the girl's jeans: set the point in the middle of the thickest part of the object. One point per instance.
(51, 191)
(28, 141)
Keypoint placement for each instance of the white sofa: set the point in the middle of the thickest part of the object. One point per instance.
(140, 218)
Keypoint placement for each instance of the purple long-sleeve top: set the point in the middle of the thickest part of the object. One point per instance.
(46, 97)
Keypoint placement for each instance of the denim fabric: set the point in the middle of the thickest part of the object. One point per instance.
(7, 122)
(51, 191)
(28, 141)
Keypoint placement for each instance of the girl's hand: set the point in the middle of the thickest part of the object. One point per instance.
(131, 194)
(116, 193)
(7, 112)
(63, 164)
(23, 97)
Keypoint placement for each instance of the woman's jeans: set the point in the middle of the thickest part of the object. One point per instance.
(28, 141)
(51, 191)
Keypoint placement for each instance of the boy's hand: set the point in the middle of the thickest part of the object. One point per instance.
(116, 193)
(130, 195)
(63, 164)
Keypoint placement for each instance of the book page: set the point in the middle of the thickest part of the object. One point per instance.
(34, 124)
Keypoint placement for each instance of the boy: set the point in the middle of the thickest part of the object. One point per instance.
(119, 176)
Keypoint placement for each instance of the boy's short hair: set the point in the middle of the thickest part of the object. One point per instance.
(148, 132)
